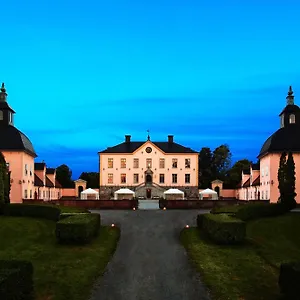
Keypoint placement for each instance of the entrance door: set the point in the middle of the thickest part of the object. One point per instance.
(148, 193)
(148, 178)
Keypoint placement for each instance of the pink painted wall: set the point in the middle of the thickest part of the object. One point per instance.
(68, 192)
(20, 180)
(155, 155)
(228, 193)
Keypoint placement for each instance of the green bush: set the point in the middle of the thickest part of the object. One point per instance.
(224, 229)
(260, 210)
(229, 209)
(289, 279)
(16, 280)
(200, 221)
(30, 210)
(66, 215)
(77, 229)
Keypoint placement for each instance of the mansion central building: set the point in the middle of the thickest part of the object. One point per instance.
(148, 168)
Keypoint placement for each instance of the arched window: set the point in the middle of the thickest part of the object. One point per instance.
(1, 115)
(292, 119)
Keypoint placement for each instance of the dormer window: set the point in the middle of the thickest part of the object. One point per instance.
(292, 119)
(1, 115)
(282, 121)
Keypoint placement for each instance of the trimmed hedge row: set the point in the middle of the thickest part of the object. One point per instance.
(260, 210)
(16, 280)
(77, 229)
(31, 210)
(66, 215)
(230, 209)
(289, 279)
(223, 229)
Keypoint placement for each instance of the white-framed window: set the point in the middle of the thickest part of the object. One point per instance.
(174, 178)
(110, 178)
(266, 195)
(25, 194)
(187, 178)
(292, 119)
(149, 163)
(26, 169)
(187, 163)
(110, 163)
(161, 163)
(10, 118)
(123, 178)
(123, 163)
(174, 163)
(267, 171)
(135, 163)
(262, 195)
(161, 178)
(30, 194)
(135, 178)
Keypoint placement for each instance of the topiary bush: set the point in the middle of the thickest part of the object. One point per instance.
(66, 215)
(224, 229)
(289, 279)
(16, 280)
(30, 210)
(200, 221)
(229, 209)
(77, 229)
(260, 210)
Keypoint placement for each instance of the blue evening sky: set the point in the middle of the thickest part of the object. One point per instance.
(82, 74)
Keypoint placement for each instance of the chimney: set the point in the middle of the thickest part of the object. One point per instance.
(170, 138)
(127, 138)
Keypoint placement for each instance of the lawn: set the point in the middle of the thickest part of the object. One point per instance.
(248, 272)
(60, 272)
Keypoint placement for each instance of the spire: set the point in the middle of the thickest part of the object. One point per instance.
(3, 94)
(290, 97)
(148, 138)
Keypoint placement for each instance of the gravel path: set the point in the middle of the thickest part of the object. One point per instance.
(149, 263)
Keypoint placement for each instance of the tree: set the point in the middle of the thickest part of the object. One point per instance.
(64, 176)
(205, 174)
(234, 174)
(290, 182)
(221, 162)
(4, 181)
(92, 179)
(281, 176)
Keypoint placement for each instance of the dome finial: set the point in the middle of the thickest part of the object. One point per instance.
(290, 97)
(3, 90)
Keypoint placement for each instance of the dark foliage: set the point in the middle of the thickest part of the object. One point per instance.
(289, 279)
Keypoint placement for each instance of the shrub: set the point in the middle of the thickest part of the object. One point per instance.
(229, 209)
(200, 221)
(260, 210)
(77, 229)
(16, 280)
(224, 229)
(30, 210)
(66, 215)
(289, 279)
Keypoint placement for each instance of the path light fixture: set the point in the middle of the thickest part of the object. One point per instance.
(164, 208)
(112, 225)
(187, 226)
(134, 208)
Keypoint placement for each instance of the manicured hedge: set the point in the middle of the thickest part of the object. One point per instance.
(16, 280)
(30, 210)
(200, 221)
(223, 229)
(230, 209)
(289, 279)
(260, 210)
(77, 229)
(66, 215)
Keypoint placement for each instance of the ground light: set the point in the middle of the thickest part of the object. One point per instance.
(134, 208)
(112, 225)
(187, 226)
(164, 208)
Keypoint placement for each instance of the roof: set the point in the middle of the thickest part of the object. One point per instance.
(38, 181)
(130, 147)
(89, 191)
(50, 171)
(39, 166)
(208, 192)
(4, 105)
(49, 183)
(12, 139)
(173, 191)
(284, 139)
(290, 108)
(247, 183)
(256, 181)
(124, 191)
(57, 184)
(255, 166)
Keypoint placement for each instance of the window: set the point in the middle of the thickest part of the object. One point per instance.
(26, 194)
(263, 172)
(26, 170)
(30, 193)
(148, 163)
(30, 170)
(187, 178)
(161, 163)
(174, 178)
(10, 118)
(187, 163)
(266, 171)
(110, 178)
(123, 163)
(266, 195)
(161, 178)
(292, 119)
(174, 163)
(123, 178)
(282, 121)
(135, 163)
(135, 178)
(43, 194)
(262, 195)
(1, 115)
(250, 195)
(110, 163)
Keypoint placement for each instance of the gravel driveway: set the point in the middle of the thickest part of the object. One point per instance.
(149, 263)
